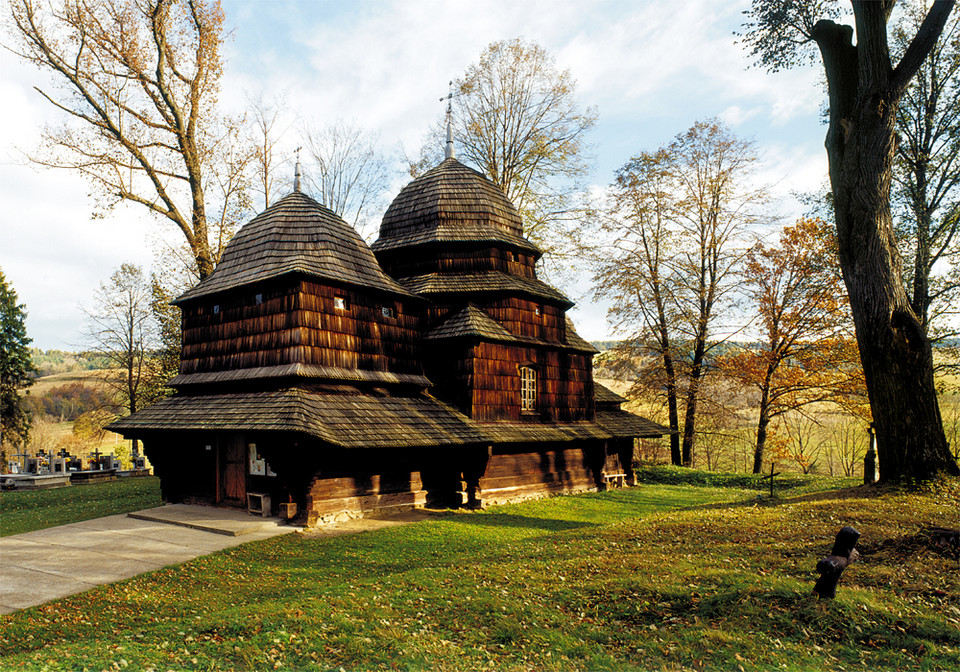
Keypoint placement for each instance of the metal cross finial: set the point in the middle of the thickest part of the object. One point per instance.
(448, 152)
(296, 173)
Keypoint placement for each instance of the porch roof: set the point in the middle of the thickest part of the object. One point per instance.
(364, 421)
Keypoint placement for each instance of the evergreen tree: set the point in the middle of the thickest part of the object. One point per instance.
(15, 370)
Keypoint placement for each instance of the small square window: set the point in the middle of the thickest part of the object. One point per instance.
(538, 311)
(387, 312)
(340, 302)
(259, 299)
(216, 309)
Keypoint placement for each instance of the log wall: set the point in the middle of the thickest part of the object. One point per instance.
(412, 261)
(554, 469)
(370, 487)
(297, 322)
(521, 316)
(564, 383)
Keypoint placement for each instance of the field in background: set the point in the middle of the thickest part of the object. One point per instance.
(52, 433)
(821, 440)
(47, 383)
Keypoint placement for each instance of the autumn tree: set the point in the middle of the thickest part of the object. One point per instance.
(120, 330)
(797, 293)
(668, 257)
(268, 130)
(137, 82)
(865, 90)
(16, 369)
(516, 119)
(927, 177)
(169, 338)
(716, 203)
(346, 171)
(632, 268)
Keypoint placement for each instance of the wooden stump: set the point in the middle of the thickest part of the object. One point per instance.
(832, 566)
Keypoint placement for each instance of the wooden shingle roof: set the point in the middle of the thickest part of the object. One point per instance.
(604, 395)
(486, 282)
(451, 233)
(345, 420)
(297, 370)
(623, 424)
(473, 322)
(574, 340)
(363, 421)
(450, 202)
(470, 322)
(296, 235)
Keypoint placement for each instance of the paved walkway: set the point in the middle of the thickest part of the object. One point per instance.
(45, 565)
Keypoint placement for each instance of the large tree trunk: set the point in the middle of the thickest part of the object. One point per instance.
(763, 422)
(690, 416)
(896, 355)
(672, 413)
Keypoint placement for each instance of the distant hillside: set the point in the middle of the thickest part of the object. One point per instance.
(53, 362)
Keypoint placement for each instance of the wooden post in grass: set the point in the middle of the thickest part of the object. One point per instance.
(832, 566)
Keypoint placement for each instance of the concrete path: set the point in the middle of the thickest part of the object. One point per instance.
(45, 565)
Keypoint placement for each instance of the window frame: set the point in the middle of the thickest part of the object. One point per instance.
(528, 388)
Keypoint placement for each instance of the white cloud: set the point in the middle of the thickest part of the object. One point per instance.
(52, 252)
(651, 68)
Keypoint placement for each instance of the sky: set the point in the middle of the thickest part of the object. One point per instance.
(650, 68)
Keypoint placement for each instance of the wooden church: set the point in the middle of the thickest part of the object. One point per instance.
(432, 368)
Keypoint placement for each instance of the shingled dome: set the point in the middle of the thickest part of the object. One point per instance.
(451, 203)
(296, 235)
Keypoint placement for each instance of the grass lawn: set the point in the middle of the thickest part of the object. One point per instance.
(37, 509)
(665, 576)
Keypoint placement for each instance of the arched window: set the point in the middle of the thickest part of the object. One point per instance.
(528, 388)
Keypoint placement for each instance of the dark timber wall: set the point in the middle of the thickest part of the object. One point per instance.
(457, 259)
(564, 383)
(298, 321)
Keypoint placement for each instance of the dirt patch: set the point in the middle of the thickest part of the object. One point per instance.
(937, 540)
(856, 492)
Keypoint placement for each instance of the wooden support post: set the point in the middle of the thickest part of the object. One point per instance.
(832, 566)
(472, 473)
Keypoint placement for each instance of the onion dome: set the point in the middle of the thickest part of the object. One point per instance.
(296, 235)
(451, 203)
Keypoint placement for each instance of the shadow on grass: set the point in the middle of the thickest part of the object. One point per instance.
(509, 520)
(858, 492)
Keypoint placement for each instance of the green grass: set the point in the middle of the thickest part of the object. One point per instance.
(785, 485)
(630, 579)
(35, 510)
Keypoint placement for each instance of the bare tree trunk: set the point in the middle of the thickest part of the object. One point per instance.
(762, 423)
(672, 413)
(690, 414)
(895, 353)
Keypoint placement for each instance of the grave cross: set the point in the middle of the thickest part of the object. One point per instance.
(772, 466)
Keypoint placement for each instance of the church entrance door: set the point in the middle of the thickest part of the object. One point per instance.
(232, 472)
